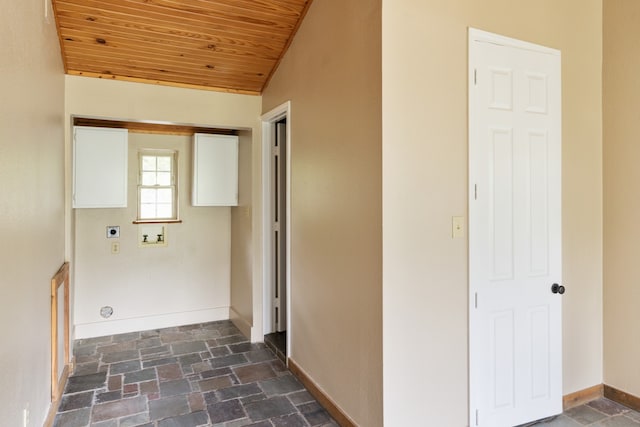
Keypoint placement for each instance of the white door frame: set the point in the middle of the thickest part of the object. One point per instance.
(269, 121)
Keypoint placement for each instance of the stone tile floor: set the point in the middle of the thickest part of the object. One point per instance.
(198, 375)
(277, 342)
(598, 413)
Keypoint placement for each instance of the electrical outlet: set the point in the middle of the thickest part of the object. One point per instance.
(115, 248)
(113, 231)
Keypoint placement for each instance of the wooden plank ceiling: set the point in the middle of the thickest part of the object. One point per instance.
(226, 45)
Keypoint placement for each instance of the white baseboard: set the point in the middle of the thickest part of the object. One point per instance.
(241, 323)
(122, 326)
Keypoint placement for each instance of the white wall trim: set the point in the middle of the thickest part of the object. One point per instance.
(268, 124)
(122, 326)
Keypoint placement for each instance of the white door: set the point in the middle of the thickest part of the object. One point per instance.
(515, 319)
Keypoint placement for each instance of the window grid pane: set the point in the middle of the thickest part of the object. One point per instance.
(156, 197)
(148, 163)
(164, 163)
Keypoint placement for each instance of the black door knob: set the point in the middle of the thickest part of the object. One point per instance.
(557, 289)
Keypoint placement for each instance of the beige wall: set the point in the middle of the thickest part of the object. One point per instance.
(186, 281)
(135, 101)
(31, 204)
(331, 74)
(621, 175)
(242, 242)
(425, 184)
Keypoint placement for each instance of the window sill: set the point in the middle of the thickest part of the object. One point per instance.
(157, 221)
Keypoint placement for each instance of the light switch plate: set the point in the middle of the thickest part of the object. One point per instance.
(457, 227)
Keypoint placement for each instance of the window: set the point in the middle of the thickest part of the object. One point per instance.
(157, 193)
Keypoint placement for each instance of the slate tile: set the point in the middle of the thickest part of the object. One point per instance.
(154, 350)
(231, 339)
(130, 388)
(149, 387)
(134, 420)
(293, 420)
(108, 423)
(279, 367)
(120, 356)
(150, 333)
(158, 362)
(314, 413)
(87, 369)
(89, 358)
(193, 419)
(281, 385)
(188, 347)
(241, 347)
(269, 408)
(147, 374)
(77, 418)
(210, 397)
(168, 407)
(215, 383)
(116, 348)
(169, 372)
(230, 329)
(617, 421)
(238, 391)
(148, 343)
(253, 398)
(190, 359)
(231, 360)
(122, 367)
(169, 337)
(90, 341)
(301, 397)
(174, 388)
(254, 372)
(206, 334)
(119, 408)
(77, 384)
(70, 402)
(607, 406)
(216, 373)
(225, 411)
(260, 355)
(114, 382)
(584, 414)
(219, 351)
(196, 402)
(634, 415)
(131, 336)
(559, 421)
(109, 396)
(200, 367)
(88, 350)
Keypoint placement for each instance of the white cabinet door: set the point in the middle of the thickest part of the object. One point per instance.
(99, 167)
(215, 170)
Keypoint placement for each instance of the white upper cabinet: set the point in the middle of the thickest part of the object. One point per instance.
(99, 167)
(215, 170)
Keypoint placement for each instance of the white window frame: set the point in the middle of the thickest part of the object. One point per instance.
(173, 154)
